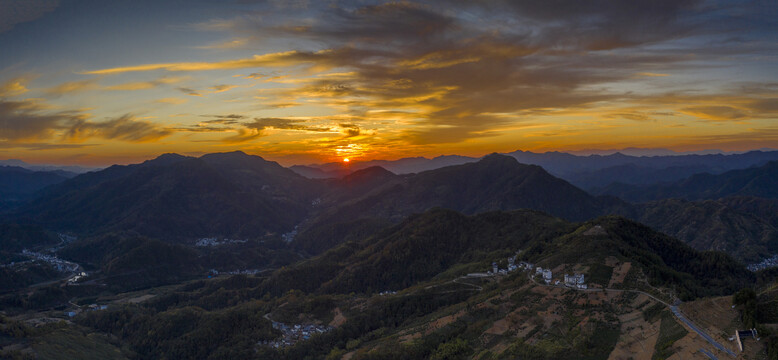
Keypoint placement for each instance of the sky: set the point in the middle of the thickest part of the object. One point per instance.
(95, 82)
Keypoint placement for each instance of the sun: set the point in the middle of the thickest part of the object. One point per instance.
(345, 160)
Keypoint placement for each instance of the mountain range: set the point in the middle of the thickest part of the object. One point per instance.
(589, 172)
(235, 195)
(756, 181)
(382, 257)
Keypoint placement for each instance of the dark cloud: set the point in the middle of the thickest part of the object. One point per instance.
(283, 124)
(242, 135)
(13, 12)
(188, 91)
(125, 128)
(24, 122)
(388, 23)
(604, 24)
(26, 119)
(474, 62)
(229, 119)
(350, 130)
(458, 69)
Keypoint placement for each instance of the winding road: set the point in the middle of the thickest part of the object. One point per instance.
(674, 309)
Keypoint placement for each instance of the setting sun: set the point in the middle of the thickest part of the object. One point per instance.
(346, 160)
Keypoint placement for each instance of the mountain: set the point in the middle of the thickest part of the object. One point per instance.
(339, 298)
(73, 169)
(313, 172)
(426, 245)
(18, 183)
(358, 184)
(16, 237)
(176, 197)
(400, 166)
(755, 181)
(564, 164)
(712, 225)
(496, 182)
(632, 174)
(595, 171)
(765, 209)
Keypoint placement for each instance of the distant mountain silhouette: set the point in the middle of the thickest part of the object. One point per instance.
(18, 184)
(172, 196)
(400, 166)
(496, 182)
(71, 169)
(589, 172)
(594, 172)
(756, 181)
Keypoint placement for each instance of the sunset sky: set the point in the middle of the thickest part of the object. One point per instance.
(97, 82)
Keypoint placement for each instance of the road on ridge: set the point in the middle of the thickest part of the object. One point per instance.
(674, 309)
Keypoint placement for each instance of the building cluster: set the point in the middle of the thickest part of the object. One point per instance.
(741, 335)
(214, 272)
(212, 241)
(576, 281)
(92, 307)
(288, 237)
(57, 263)
(290, 334)
(76, 278)
(512, 266)
(765, 264)
(387, 292)
(545, 273)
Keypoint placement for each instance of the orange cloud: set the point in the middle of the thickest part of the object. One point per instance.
(716, 112)
(72, 87)
(172, 100)
(14, 87)
(287, 58)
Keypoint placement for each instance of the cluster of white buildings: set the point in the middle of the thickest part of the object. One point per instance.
(294, 333)
(214, 272)
(545, 273)
(76, 278)
(576, 281)
(765, 264)
(512, 266)
(288, 237)
(212, 241)
(55, 262)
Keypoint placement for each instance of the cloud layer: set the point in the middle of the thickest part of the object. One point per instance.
(443, 74)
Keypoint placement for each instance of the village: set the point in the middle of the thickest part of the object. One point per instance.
(57, 263)
(576, 280)
(79, 309)
(212, 241)
(764, 264)
(294, 333)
